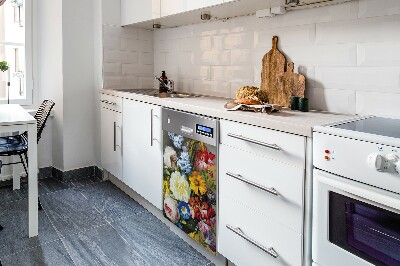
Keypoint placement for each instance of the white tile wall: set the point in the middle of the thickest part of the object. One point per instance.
(350, 54)
(128, 58)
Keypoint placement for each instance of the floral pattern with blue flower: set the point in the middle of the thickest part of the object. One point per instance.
(184, 210)
(184, 163)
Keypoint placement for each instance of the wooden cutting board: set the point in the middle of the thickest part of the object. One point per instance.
(273, 68)
(292, 85)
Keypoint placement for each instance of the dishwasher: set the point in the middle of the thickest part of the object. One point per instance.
(190, 174)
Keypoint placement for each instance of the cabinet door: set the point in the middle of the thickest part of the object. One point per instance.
(134, 11)
(111, 151)
(143, 150)
(192, 5)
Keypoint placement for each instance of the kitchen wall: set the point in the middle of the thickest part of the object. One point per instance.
(350, 54)
(127, 54)
(65, 63)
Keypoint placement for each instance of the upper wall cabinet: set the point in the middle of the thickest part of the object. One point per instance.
(135, 11)
(172, 7)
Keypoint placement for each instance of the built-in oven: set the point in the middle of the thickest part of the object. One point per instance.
(354, 223)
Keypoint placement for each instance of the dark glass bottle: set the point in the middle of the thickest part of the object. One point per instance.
(163, 78)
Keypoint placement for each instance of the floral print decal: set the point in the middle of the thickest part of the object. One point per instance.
(189, 188)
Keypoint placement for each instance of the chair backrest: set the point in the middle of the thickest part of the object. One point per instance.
(41, 116)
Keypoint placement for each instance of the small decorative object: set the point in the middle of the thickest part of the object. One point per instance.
(303, 105)
(294, 103)
(3, 65)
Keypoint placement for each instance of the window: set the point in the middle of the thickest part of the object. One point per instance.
(16, 49)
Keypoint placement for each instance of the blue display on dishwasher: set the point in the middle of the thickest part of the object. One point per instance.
(204, 130)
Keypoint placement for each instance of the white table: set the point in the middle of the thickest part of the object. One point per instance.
(15, 118)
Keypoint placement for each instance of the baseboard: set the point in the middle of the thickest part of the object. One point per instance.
(77, 173)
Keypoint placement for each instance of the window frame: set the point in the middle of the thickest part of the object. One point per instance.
(29, 57)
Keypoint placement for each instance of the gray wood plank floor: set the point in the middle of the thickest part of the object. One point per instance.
(87, 222)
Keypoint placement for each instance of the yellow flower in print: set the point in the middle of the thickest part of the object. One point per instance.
(166, 187)
(197, 183)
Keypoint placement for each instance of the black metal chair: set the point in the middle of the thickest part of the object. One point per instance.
(18, 145)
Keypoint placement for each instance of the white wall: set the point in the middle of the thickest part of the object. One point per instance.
(78, 83)
(349, 53)
(66, 75)
(50, 78)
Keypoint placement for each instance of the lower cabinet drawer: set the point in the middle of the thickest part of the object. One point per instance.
(273, 188)
(248, 238)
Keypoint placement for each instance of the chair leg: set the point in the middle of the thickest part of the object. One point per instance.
(1, 227)
(23, 163)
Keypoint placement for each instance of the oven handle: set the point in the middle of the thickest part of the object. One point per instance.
(369, 193)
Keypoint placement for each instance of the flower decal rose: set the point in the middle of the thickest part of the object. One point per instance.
(179, 187)
(171, 209)
(189, 188)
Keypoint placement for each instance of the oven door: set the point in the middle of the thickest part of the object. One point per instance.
(353, 223)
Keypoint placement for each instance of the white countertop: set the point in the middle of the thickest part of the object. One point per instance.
(299, 123)
(13, 114)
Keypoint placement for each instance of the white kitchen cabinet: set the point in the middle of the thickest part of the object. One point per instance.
(142, 145)
(172, 7)
(134, 11)
(261, 186)
(111, 152)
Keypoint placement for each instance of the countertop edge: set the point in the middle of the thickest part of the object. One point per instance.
(275, 121)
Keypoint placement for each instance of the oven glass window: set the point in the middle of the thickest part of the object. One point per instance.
(367, 231)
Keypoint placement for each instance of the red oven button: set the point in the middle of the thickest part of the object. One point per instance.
(327, 151)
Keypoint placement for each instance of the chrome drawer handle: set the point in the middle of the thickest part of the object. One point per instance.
(240, 233)
(108, 102)
(267, 145)
(241, 178)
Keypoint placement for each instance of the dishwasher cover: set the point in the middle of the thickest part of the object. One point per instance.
(190, 187)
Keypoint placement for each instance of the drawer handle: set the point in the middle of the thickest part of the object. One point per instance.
(267, 145)
(239, 232)
(108, 102)
(241, 178)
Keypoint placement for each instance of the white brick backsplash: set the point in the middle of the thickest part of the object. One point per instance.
(111, 43)
(380, 104)
(112, 69)
(231, 73)
(222, 57)
(240, 57)
(214, 88)
(195, 72)
(381, 29)
(322, 55)
(244, 40)
(382, 54)
(137, 45)
(374, 8)
(116, 56)
(378, 79)
(184, 85)
(288, 36)
(137, 70)
(146, 58)
(339, 101)
(349, 54)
